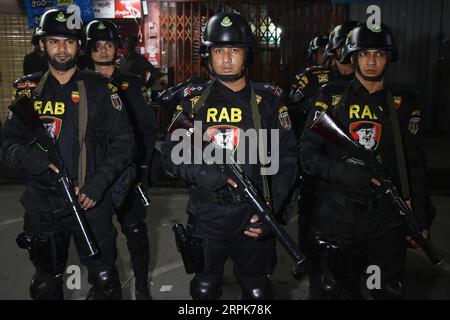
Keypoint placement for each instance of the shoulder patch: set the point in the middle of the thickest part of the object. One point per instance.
(335, 99)
(415, 113)
(283, 117)
(17, 93)
(397, 101)
(194, 101)
(273, 89)
(26, 84)
(147, 97)
(179, 108)
(302, 83)
(413, 125)
(29, 81)
(323, 78)
(321, 105)
(116, 101)
(258, 99)
(193, 89)
(75, 96)
(124, 85)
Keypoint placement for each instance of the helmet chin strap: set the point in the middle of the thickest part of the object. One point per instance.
(104, 63)
(228, 77)
(371, 79)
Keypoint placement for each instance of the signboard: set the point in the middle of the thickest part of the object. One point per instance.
(125, 9)
(117, 9)
(35, 9)
(104, 9)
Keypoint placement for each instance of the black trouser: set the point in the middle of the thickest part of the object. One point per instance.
(47, 215)
(131, 216)
(222, 227)
(367, 224)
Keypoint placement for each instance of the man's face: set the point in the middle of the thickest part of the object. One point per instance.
(319, 58)
(372, 62)
(61, 51)
(367, 137)
(103, 51)
(227, 61)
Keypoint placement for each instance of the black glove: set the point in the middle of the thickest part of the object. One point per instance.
(210, 177)
(353, 173)
(265, 230)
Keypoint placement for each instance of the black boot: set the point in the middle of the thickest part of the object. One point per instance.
(105, 285)
(141, 289)
(139, 248)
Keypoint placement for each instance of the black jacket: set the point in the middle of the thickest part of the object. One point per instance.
(227, 109)
(305, 90)
(108, 135)
(363, 111)
(142, 116)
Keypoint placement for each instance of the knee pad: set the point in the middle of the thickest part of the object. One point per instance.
(205, 289)
(136, 231)
(46, 287)
(139, 248)
(388, 291)
(105, 285)
(339, 270)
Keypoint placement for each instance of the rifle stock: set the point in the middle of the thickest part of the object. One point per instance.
(327, 127)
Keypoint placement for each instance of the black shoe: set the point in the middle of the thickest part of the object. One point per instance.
(95, 294)
(142, 291)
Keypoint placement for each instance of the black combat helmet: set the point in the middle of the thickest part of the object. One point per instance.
(362, 38)
(102, 30)
(227, 30)
(35, 37)
(54, 22)
(316, 43)
(337, 38)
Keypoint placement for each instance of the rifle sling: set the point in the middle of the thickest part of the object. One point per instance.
(256, 123)
(400, 153)
(82, 124)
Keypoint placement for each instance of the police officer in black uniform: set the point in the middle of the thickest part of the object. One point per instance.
(34, 61)
(316, 50)
(58, 97)
(354, 225)
(103, 42)
(216, 215)
(301, 98)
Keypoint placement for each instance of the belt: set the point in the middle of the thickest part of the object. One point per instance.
(362, 203)
(222, 196)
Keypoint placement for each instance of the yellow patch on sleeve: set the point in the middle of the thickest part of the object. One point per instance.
(321, 105)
